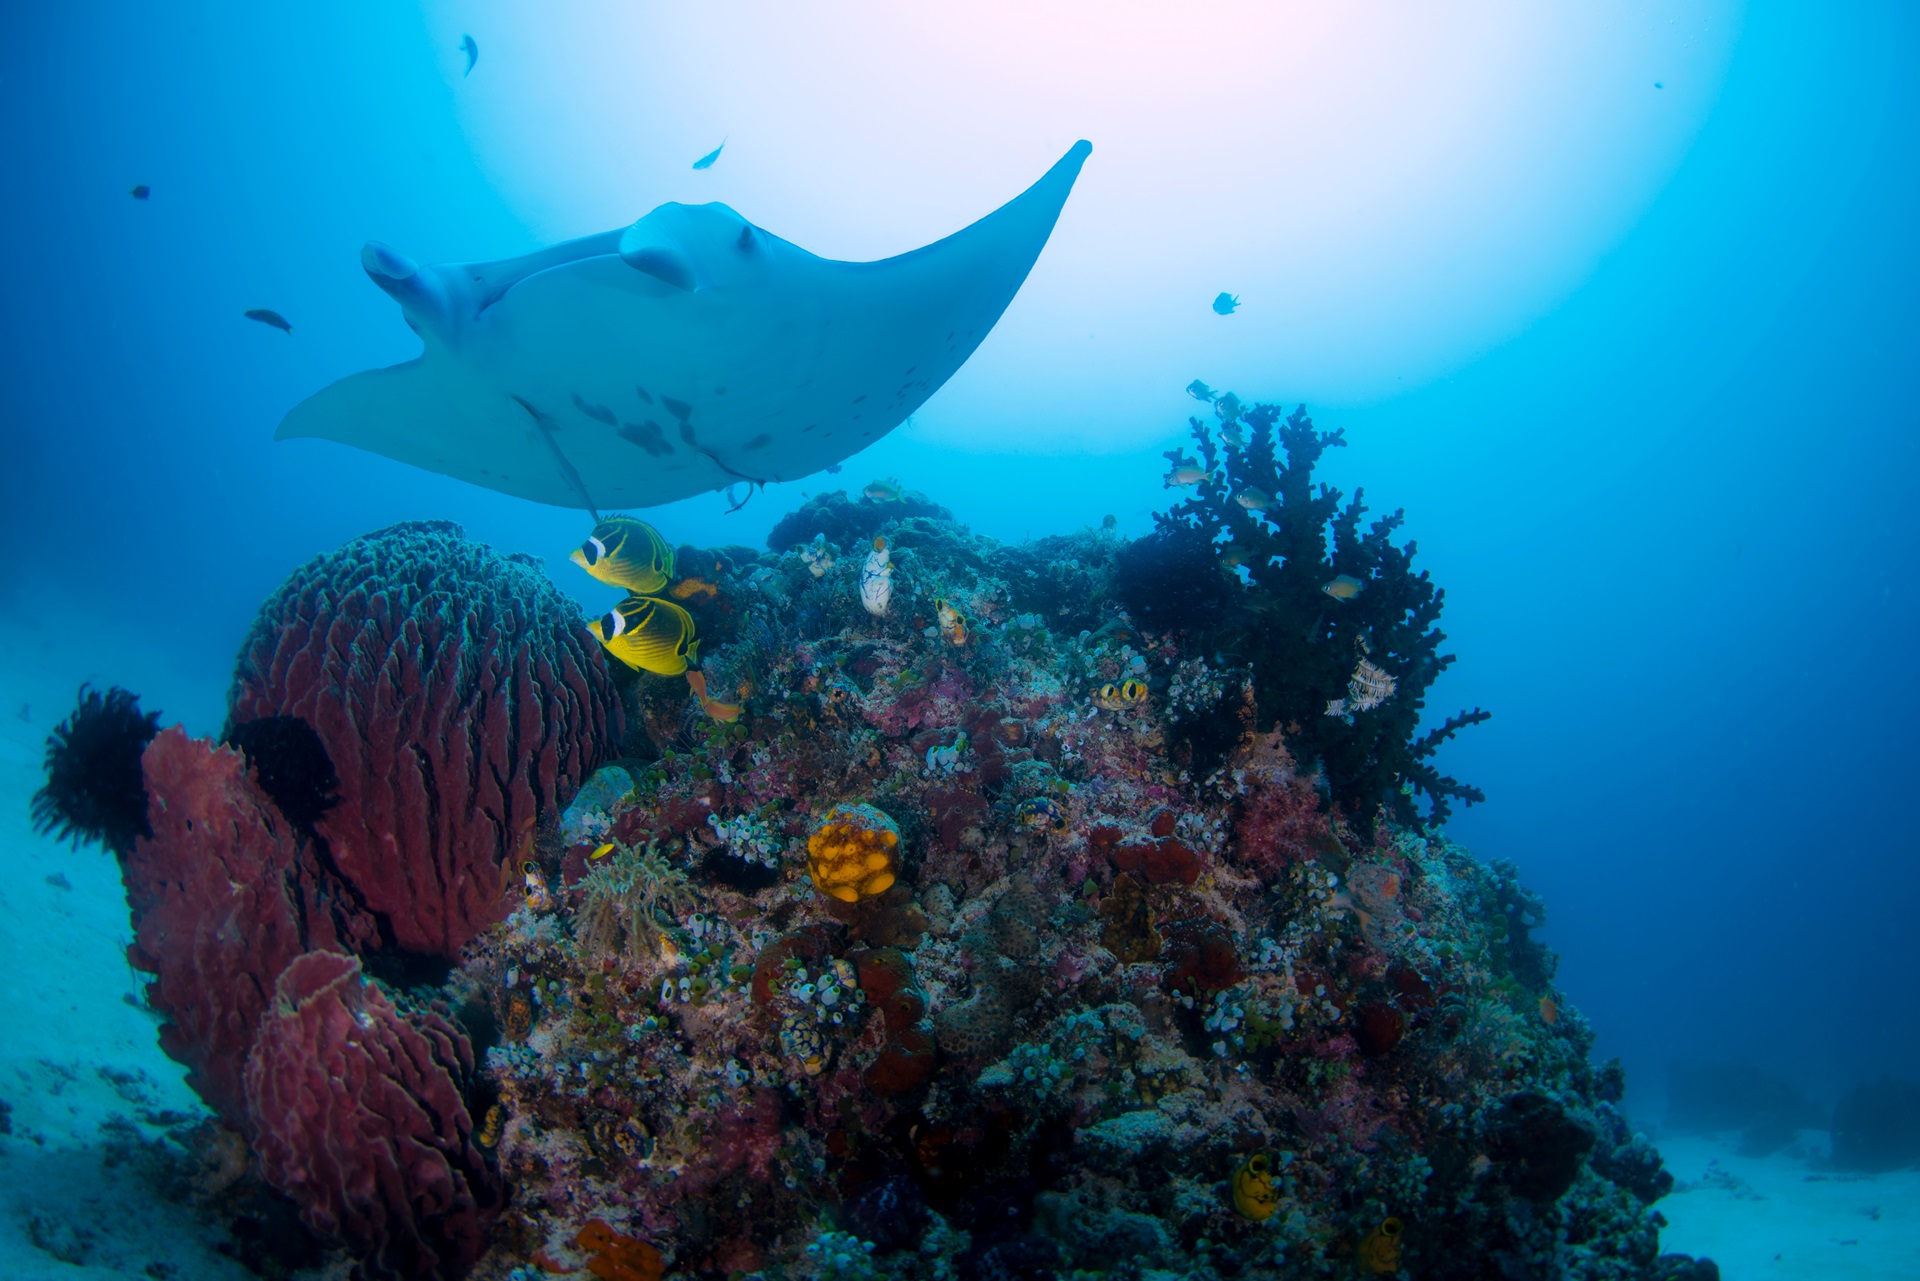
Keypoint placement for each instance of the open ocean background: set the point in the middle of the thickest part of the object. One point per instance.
(1641, 363)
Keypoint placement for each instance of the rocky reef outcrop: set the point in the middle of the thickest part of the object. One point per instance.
(1072, 915)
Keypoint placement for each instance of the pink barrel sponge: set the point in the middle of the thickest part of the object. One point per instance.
(222, 898)
(460, 698)
(360, 1117)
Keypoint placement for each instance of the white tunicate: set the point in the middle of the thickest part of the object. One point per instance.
(829, 996)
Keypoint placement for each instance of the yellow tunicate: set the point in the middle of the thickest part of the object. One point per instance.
(1253, 1193)
(854, 854)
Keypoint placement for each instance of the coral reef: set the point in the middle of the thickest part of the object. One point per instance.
(1042, 924)
(1268, 573)
(409, 715)
(459, 699)
(1116, 1008)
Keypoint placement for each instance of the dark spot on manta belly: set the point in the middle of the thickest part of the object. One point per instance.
(859, 398)
(648, 436)
(809, 426)
(643, 393)
(678, 408)
(686, 434)
(759, 442)
(599, 413)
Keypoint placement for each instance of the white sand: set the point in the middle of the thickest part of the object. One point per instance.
(73, 1053)
(1785, 1217)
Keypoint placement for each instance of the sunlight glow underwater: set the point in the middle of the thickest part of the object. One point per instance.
(1391, 190)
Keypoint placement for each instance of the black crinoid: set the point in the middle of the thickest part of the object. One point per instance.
(95, 788)
(1337, 626)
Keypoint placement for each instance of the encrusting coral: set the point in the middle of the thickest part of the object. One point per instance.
(1087, 944)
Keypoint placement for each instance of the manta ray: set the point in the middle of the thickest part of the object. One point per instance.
(689, 352)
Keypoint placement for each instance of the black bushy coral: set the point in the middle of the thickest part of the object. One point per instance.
(95, 788)
(1257, 505)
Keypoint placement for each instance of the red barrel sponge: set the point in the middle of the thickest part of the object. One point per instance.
(360, 1118)
(460, 698)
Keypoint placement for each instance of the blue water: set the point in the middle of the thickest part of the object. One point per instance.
(1673, 510)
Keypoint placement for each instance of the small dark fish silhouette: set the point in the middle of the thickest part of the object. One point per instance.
(706, 161)
(267, 316)
(1225, 303)
(470, 47)
(141, 192)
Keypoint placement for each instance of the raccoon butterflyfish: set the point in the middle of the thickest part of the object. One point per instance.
(1379, 1251)
(1344, 587)
(649, 635)
(625, 552)
(1253, 1193)
(711, 706)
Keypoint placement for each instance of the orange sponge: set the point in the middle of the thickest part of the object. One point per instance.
(615, 1256)
(854, 854)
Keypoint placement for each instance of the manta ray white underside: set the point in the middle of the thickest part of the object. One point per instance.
(686, 353)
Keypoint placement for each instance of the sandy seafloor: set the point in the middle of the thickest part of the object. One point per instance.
(82, 1070)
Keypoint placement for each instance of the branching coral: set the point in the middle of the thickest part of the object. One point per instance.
(1324, 607)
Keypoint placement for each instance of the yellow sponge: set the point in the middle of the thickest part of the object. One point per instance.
(854, 854)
